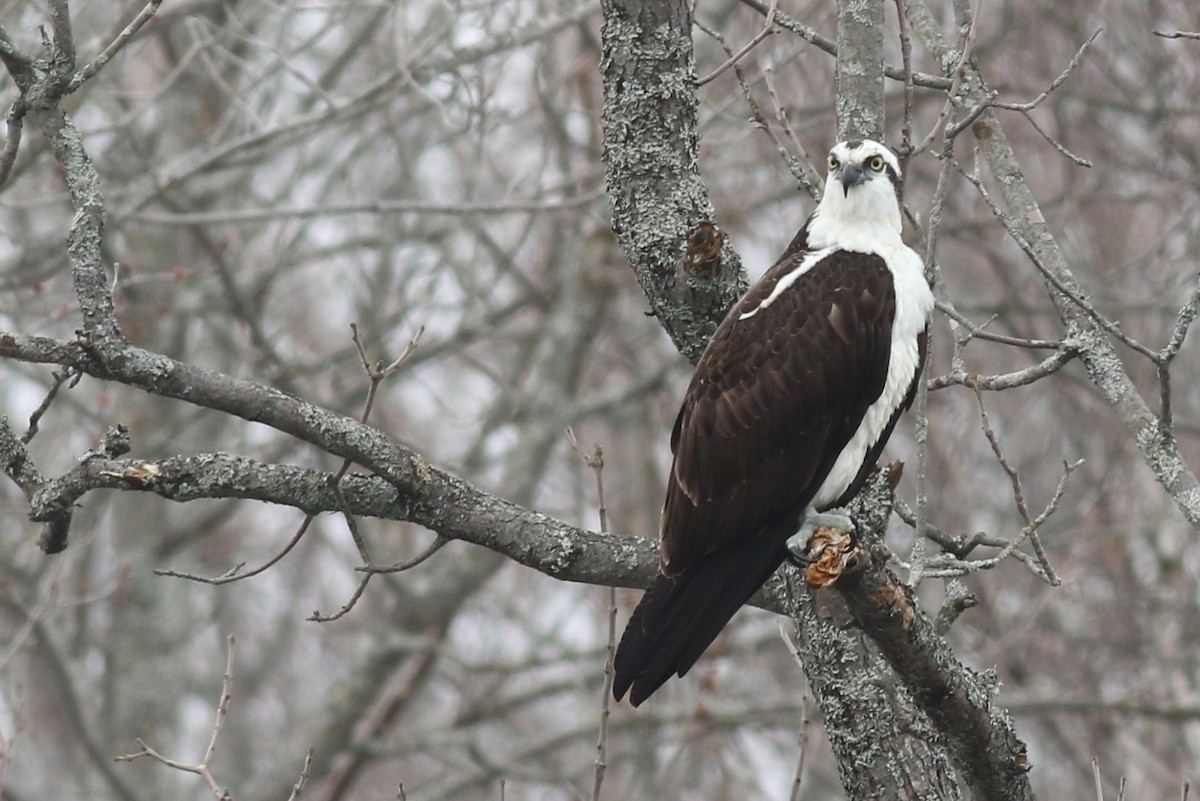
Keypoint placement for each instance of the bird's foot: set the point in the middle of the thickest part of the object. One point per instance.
(822, 546)
(799, 545)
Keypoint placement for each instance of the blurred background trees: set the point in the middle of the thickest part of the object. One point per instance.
(273, 172)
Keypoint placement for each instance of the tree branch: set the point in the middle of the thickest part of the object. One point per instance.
(1084, 330)
(650, 146)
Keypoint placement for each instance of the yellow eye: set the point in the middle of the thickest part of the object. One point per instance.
(833, 162)
(876, 163)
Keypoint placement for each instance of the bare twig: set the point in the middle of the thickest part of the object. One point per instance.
(376, 375)
(1178, 35)
(979, 331)
(318, 617)
(1054, 143)
(1002, 381)
(235, 573)
(909, 89)
(438, 543)
(805, 712)
(800, 166)
(14, 122)
(801, 163)
(1031, 524)
(60, 378)
(1183, 321)
(595, 460)
(114, 47)
(767, 29)
(959, 72)
(1054, 280)
(1057, 82)
(204, 768)
(298, 787)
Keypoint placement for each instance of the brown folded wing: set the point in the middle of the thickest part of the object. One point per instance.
(775, 398)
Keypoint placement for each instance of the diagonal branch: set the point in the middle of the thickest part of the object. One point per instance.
(1025, 222)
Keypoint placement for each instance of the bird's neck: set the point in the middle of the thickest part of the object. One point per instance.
(862, 222)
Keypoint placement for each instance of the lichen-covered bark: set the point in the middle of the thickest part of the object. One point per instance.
(946, 696)
(651, 143)
(885, 747)
(859, 100)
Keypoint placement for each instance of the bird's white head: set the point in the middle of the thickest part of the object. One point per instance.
(861, 193)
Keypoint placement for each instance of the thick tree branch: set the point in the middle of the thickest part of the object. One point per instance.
(958, 700)
(651, 141)
(442, 503)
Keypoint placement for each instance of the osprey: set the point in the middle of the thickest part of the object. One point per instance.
(786, 414)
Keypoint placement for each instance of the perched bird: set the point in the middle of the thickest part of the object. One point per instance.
(786, 414)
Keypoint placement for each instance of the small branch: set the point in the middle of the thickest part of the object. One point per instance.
(1178, 34)
(805, 720)
(375, 375)
(204, 768)
(15, 123)
(298, 787)
(318, 617)
(829, 46)
(1057, 82)
(952, 94)
(235, 573)
(767, 30)
(1031, 525)
(909, 90)
(980, 332)
(800, 164)
(1002, 381)
(256, 216)
(1054, 143)
(117, 44)
(596, 462)
(1053, 279)
(437, 544)
(958, 600)
(223, 704)
(1183, 321)
(60, 378)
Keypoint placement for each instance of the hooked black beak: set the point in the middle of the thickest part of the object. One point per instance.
(850, 176)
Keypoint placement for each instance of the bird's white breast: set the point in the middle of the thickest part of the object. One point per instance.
(914, 302)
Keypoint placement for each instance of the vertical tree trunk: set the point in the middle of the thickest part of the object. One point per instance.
(859, 100)
(651, 146)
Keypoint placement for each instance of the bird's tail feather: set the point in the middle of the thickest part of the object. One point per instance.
(680, 616)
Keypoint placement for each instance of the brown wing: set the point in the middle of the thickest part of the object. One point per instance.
(775, 398)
